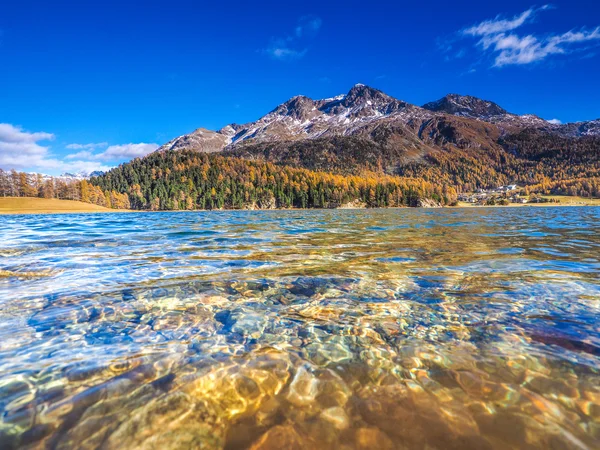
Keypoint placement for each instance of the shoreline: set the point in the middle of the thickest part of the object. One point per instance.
(33, 206)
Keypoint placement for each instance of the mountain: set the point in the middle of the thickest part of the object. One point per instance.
(75, 176)
(485, 110)
(67, 176)
(588, 128)
(202, 140)
(458, 141)
(368, 114)
(364, 128)
(304, 118)
(467, 106)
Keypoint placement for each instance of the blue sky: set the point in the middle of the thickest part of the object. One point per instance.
(87, 84)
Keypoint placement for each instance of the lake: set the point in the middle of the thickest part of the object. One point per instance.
(342, 329)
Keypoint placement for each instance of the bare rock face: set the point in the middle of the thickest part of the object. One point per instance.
(354, 204)
(427, 203)
(202, 140)
(587, 128)
(267, 202)
(465, 105)
(483, 110)
(300, 108)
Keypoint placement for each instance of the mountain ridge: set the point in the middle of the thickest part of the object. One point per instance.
(301, 117)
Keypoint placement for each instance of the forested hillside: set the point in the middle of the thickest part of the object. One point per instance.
(172, 180)
(545, 162)
(542, 162)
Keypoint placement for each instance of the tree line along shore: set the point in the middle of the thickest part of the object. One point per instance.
(188, 180)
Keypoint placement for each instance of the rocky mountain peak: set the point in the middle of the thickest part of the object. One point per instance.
(465, 105)
(230, 130)
(299, 107)
(360, 94)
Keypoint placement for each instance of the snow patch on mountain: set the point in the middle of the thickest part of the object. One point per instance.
(348, 114)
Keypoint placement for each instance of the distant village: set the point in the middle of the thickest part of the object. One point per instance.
(502, 195)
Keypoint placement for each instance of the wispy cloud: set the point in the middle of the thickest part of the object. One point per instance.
(126, 151)
(294, 46)
(84, 154)
(555, 121)
(500, 25)
(308, 26)
(91, 146)
(279, 49)
(496, 37)
(115, 153)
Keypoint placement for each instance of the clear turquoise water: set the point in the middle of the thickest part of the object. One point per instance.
(453, 328)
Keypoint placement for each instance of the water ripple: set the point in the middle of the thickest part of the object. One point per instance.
(454, 328)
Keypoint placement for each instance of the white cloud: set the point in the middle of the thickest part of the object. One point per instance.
(116, 153)
(293, 47)
(512, 49)
(91, 146)
(86, 154)
(11, 133)
(23, 150)
(555, 121)
(126, 151)
(19, 148)
(279, 50)
(496, 37)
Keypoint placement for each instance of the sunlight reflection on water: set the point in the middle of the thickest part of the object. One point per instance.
(454, 328)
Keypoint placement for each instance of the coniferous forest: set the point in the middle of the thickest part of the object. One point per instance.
(190, 180)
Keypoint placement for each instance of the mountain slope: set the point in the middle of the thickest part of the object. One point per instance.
(465, 105)
(304, 118)
(201, 140)
(460, 140)
(487, 111)
(364, 129)
(483, 110)
(363, 109)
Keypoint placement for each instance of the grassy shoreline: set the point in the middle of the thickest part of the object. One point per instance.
(33, 205)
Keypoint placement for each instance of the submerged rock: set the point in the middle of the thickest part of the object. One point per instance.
(172, 422)
(303, 389)
(337, 417)
(371, 438)
(282, 437)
